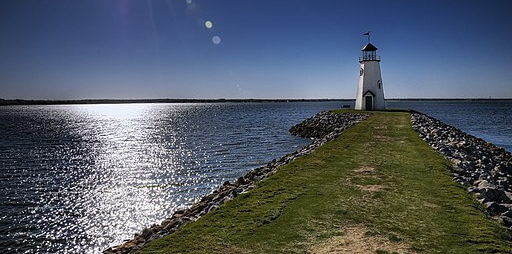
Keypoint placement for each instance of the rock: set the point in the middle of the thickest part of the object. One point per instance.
(146, 233)
(241, 180)
(492, 194)
(482, 184)
(130, 245)
(507, 214)
(507, 221)
(172, 225)
(179, 212)
(473, 189)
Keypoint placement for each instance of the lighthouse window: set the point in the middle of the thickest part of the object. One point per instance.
(361, 71)
(379, 84)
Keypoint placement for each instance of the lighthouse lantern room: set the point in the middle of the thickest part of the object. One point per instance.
(370, 91)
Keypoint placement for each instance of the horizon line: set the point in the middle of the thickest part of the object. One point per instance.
(7, 102)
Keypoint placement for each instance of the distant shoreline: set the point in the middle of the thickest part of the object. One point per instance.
(4, 102)
(131, 101)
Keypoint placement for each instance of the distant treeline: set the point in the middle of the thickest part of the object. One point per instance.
(4, 102)
(450, 99)
(121, 101)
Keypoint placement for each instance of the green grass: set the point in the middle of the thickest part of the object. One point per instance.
(316, 197)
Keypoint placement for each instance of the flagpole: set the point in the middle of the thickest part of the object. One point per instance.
(367, 34)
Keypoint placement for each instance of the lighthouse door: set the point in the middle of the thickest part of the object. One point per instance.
(369, 102)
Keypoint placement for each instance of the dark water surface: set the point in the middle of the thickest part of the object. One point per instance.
(81, 178)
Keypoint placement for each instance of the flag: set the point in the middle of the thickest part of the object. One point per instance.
(367, 33)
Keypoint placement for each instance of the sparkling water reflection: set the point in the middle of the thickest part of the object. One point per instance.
(80, 178)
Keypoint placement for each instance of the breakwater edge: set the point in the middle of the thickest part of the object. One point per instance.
(484, 168)
(322, 127)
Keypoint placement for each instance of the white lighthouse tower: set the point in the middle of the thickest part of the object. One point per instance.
(370, 91)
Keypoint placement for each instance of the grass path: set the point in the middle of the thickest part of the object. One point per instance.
(378, 188)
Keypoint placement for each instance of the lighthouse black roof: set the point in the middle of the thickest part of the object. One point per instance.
(369, 47)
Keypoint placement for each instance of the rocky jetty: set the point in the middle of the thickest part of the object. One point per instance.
(484, 168)
(324, 123)
(322, 128)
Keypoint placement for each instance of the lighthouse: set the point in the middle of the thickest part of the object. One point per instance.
(370, 91)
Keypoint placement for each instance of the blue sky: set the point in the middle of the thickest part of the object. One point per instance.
(70, 49)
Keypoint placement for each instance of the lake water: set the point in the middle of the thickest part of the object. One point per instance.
(81, 178)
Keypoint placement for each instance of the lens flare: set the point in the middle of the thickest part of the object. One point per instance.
(216, 40)
(208, 24)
